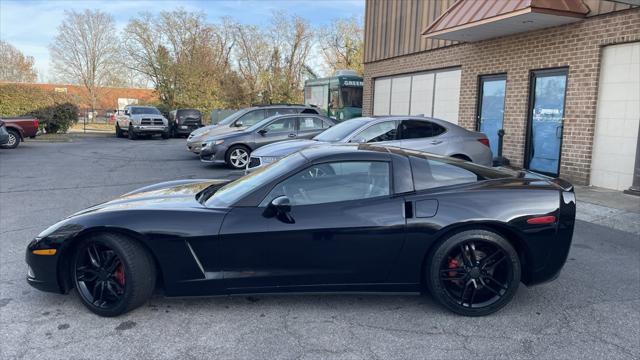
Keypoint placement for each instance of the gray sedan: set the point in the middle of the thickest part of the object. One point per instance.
(415, 133)
(234, 148)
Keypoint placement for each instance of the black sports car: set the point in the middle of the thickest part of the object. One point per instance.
(328, 218)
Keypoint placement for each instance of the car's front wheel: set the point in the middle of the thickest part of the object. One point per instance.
(473, 273)
(119, 132)
(131, 133)
(113, 274)
(237, 157)
(14, 140)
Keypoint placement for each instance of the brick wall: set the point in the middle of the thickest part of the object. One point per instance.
(576, 46)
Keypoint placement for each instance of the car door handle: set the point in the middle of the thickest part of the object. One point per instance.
(436, 142)
(292, 135)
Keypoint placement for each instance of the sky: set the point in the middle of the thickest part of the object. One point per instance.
(31, 25)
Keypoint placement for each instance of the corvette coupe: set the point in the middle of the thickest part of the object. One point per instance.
(357, 218)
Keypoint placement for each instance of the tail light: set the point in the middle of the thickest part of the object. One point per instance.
(484, 142)
(36, 123)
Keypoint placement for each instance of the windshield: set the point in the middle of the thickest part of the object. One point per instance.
(144, 110)
(342, 130)
(229, 119)
(351, 97)
(236, 190)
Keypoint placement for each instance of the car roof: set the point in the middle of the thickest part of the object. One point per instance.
(323, 150)
(274, 117)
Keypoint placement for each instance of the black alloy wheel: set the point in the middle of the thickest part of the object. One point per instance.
(119, 132)
(113, 274)
(100, 276)
(474, 273)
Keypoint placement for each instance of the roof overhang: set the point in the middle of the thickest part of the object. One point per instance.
(472, 20)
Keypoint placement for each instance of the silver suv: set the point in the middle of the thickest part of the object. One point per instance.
(141, 120)
(243, 119)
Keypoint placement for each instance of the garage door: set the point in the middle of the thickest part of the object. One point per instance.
(433, 94)
(617, 117)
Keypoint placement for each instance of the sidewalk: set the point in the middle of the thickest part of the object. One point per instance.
(610, 208)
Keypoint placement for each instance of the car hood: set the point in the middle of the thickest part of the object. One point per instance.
(217, 131)
(284, 148)
(177, 194)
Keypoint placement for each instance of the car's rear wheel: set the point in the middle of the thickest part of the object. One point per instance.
(237, 157)
(474, 272)
(113, 274)
(119, 132)
(166, 135)
(14, 140)
(131, 133)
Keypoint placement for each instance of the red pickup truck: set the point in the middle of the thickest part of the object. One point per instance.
(20, 128)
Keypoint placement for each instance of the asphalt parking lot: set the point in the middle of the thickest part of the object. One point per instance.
(592, 311)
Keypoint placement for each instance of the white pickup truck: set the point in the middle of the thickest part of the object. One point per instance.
(137, 120)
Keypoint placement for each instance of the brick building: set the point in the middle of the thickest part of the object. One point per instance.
(562, 78)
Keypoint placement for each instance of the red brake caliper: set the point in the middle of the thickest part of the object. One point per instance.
(120, 274)
(453, 263)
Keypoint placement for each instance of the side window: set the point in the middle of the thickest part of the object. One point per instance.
(415, 129)
(287, 124)
(428, 173)
(252, 117)
(309, 111)
(326, 124)
(308, 123)
(384, 131)
(333, 182)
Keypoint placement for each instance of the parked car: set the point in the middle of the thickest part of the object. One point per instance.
(234, 148)
(379, 219)
(20, 128)
(141, 120)
(183, 121)
(243, 119)
(418, 133)
(4, 135)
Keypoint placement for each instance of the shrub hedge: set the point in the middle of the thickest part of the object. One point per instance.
(56, 111)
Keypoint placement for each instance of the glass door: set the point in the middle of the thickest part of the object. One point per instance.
(491, 108)
(546, 114)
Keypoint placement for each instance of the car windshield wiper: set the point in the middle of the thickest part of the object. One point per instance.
(207, 192)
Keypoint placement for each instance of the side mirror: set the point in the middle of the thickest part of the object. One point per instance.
(279, 208)
(238, 123)
(262, 131)
(126, 112)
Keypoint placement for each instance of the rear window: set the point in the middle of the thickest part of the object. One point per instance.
(189, 113)
(431, 173)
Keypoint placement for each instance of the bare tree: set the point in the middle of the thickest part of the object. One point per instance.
(184, 57)
(342, 43)
(85, 51)
(15, 66)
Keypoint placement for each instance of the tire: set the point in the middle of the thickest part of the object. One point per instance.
(119, 132)
(235, 155)
(133, 265)
(166, 135)
(131, 133)
(14, 139)
(473, 273)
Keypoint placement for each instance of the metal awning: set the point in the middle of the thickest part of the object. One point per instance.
(474, 20)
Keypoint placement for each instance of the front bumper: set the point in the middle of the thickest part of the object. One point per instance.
(215, 154)
(42, 271)
(185, 129)
(150, 129)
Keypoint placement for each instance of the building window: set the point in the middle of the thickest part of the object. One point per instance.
(432, 94)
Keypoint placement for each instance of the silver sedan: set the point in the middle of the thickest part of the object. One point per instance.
(415, 133)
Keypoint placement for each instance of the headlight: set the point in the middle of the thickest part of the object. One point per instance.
(269, 159)
(218, 142)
